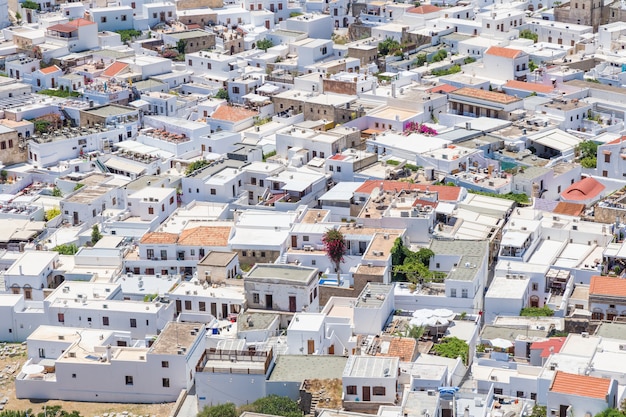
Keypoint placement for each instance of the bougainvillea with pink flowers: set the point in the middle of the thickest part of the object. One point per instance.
(414, 127)
(335, 247)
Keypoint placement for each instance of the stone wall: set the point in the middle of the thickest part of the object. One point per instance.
(199, 4)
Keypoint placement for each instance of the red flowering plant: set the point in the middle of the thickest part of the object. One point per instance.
(335, 247)
(414, 127)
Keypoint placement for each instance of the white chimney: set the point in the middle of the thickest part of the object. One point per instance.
(393, 90)
(108, 354)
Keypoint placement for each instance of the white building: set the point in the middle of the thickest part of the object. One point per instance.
(370, 379)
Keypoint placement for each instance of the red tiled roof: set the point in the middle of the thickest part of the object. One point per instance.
(232, 113)
(607, 286)
(445, 193)
(443, 88)
(158, 238)
(486, 95)
(338, 157)
(552, 345)
(522, 85)
(50, 70)
(62, 27)
(401, 347)
(205, 236)
(503, 52)
(80, 22)
(114, 69)
(616, 141)
(569, 209)
(432, 204)
(425, 9)
(580, 385)
(583, 190)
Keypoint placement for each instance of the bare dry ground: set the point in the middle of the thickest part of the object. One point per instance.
(10, 365)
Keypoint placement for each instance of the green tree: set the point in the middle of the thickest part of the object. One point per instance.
(222, 94)
(195, 165)
(335, 247)
(29, 4)
(181, 45)
(221, 410)
(295, 14)
(4, 175)
(532, 66)
(18, 17)
(587, 151)
(95, 234)
(127, 35)
(78, 186)
(539, 411)
(452, 347)
(67, 249)
(397, 256)
(264, 44)
(611, 412)
(52, 213)
(544, 311)
(276, 406)
(420, 60)
(439, 56)
(529, 34)
(56, 192)
(389, 46)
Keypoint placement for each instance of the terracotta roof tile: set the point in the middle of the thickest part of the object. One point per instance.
(159, 238)
(232, 113)
(569, 209)
(552, 345)
(50, 70)
(486, 95)
(580, 385)
(443, 88)
(205, 236)
(401, 347)
(424, 9)
(522, 85)
(445, 193)
(80, 22)
(503, 52)
(607, 286)
(114, 69)
(583, 190)
(616, 141)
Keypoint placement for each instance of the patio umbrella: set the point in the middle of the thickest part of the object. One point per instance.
(419, 321)
(32, 369)
(443, 312)
(501, 343)
(423, 313)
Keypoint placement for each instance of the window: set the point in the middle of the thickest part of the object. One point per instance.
(123, 18)
(351, 390)
(190, 62)
(533, 396)
(520, 394)
(133, 322)
(255, 298)
(129, 380)
(244, 253)
(261, 182)
(453, 292)
(235, 90)
(262, 254)
(607, 158)
(535, 286)
(305, 238)
(172, 200)
(74, 376)
(150, 253)
(163, 255)
(497, 391)
(103, 19)
(280, 6)
(154, 15)
(201, 306)
(165, 364)
(150, 210)
(378, 390)
(338, 169)
(330, 168)
(192, 252)
(61, 318)
(187, 304)
(213, 191)
(464, 293)
(166, 382)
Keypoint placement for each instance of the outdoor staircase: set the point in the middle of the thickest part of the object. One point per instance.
(69, 118)
(102, 167)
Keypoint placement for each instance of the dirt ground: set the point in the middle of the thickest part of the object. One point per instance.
(13, 357)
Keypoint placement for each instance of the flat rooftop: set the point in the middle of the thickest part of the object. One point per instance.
(176, 335)
(282, 272)
(297, 368)
(371, 367)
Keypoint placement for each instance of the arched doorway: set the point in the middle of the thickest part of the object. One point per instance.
(534, 301)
